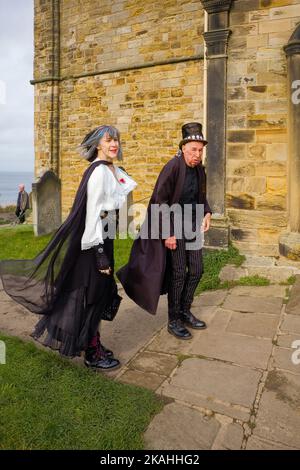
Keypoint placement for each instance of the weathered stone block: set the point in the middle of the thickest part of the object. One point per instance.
(270, 136)
(256, 92)
(231, 273)
(243, 107)
(241, 136)
(257, 151)
(240, 168)
(270, 218)
(240, 201)
(235, 184)
(252, 324)
(237, 151)
(195, 431)
(278, 414)
(221, 387)
(277, 185)
(276, 152)
(236, 93)
(271, 201)
(262, 121)
(255, 184)
(268, 168)
(236, 122)
(274, 26)
(238, 234)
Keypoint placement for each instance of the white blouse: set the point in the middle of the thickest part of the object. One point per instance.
(105, 192)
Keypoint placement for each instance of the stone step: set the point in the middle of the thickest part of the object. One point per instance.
(271, 268)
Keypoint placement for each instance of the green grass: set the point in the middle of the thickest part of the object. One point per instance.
(214, 261)
(289, 282)
(47, 402)
(246, 281)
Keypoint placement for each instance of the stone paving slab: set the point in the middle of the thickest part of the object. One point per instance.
(232, 273)
(220, 320)
(166, 343)
(233, 437)
(252, 304)
(243, 350)
(285, 340)
(194, 432)
(205, 313)
(221, 387)
(291, 324)
(258, 261)
(162, 364)
(253, 324)
(278, 417)
(255, 443)
(259, 291)
(230, 437)
(283, 359)
(210, 298)
(142, 379)
(274, 274)
(132, 328)
(293, 305)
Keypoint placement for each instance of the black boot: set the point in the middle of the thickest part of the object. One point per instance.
(176, 328)
(97, 361)
(101, 349)
(190, 320)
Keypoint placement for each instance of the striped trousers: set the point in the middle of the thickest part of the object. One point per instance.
(186, 272)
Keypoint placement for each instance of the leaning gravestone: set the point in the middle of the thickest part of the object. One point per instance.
(46, 204)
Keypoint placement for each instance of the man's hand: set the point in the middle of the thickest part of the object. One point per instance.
(171, 243)
(206, 222)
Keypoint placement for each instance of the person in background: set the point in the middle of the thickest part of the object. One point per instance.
(22, 204)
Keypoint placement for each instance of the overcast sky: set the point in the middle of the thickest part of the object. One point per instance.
(16, 93)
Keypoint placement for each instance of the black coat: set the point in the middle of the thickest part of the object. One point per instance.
(145, 277)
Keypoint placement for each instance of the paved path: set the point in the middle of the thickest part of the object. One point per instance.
(233, 386)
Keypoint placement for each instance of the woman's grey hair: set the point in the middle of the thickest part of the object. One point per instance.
(88, 147)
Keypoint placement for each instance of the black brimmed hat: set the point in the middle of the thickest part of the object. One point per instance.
(192, 132)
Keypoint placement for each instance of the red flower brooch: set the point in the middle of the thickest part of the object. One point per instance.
(122, 180)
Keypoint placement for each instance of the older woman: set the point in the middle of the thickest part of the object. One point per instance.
(71, 282)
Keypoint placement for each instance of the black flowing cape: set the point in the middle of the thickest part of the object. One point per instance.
(37, 283)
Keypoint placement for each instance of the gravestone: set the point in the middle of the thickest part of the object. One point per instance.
(46, 204)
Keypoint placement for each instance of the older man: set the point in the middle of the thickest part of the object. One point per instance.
(173, 264)
(22, 203)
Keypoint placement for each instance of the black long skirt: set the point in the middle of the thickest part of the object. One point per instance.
(76, 314)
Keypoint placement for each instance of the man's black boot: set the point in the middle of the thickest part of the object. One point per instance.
(96, 361)
(190, 320)
(176, 328)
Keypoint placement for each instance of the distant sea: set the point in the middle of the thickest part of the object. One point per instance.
(9, 182)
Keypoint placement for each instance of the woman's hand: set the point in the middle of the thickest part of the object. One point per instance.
(206, 222)
(102, 262)
(105, 271)
(171, 243)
